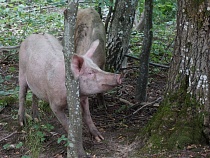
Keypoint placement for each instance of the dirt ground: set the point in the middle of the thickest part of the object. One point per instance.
(120, 122)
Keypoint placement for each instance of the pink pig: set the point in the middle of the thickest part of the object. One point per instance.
(42, 69)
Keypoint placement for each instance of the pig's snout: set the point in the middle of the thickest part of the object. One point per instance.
(119, 78)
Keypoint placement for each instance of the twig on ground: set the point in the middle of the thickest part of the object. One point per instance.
(147, 104)
(8, 136)
(126, 102)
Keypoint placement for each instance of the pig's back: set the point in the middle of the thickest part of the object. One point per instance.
(42, 61)
(89, 28)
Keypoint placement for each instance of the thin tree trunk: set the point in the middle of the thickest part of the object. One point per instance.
(75, 147)
(144, 56)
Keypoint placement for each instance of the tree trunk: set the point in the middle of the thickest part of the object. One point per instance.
(119, 32)
(184, 115)
(189, 67)
(75, 147)
(144, 56)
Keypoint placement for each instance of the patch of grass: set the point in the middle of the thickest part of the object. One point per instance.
(35, 137)
(20, 19)
(8, 100)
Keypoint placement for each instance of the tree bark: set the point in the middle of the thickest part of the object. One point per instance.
(75, 147)
(119, 33)
(144, 56)
(190, 64)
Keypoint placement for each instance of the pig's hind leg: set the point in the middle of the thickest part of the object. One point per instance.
(22, 97)
(88, 120)
(58, 110)
(35, 110)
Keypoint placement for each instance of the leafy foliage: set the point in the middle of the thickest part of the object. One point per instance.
(36, 136)
(63, 138)
(17, 146)
(164, 23)
(19, 19)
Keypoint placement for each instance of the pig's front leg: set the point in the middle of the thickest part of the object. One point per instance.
(60, 114)
(88, 120)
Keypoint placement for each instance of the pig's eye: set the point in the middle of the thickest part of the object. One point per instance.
(91, 72)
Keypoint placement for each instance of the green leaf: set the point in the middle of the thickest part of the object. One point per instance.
(26, 156)
(6, 146)
(19, 145)
(62, 138)
(12, 69)
(1, 79)
(7, 10)
(8, 77)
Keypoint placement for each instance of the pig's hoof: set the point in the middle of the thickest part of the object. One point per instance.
(96, 134)
(21, 124)
(21, 120)
(99, 137)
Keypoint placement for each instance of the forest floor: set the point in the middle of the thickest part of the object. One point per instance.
(120, 122)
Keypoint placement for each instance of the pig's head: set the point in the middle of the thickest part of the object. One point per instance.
(92, 79)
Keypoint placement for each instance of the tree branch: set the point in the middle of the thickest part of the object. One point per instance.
(144, 105)
(6, 48)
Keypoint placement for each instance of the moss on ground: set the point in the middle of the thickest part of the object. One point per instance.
(176, 124)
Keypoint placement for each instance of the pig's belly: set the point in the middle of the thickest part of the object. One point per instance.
(37, 88)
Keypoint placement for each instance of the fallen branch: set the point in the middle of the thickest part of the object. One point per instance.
(8, 136)
(150, 63)
(6, 48)
(126, 68)
(147, 104)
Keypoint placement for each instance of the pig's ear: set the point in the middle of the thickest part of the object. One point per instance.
(76, 65)
(92, 48)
